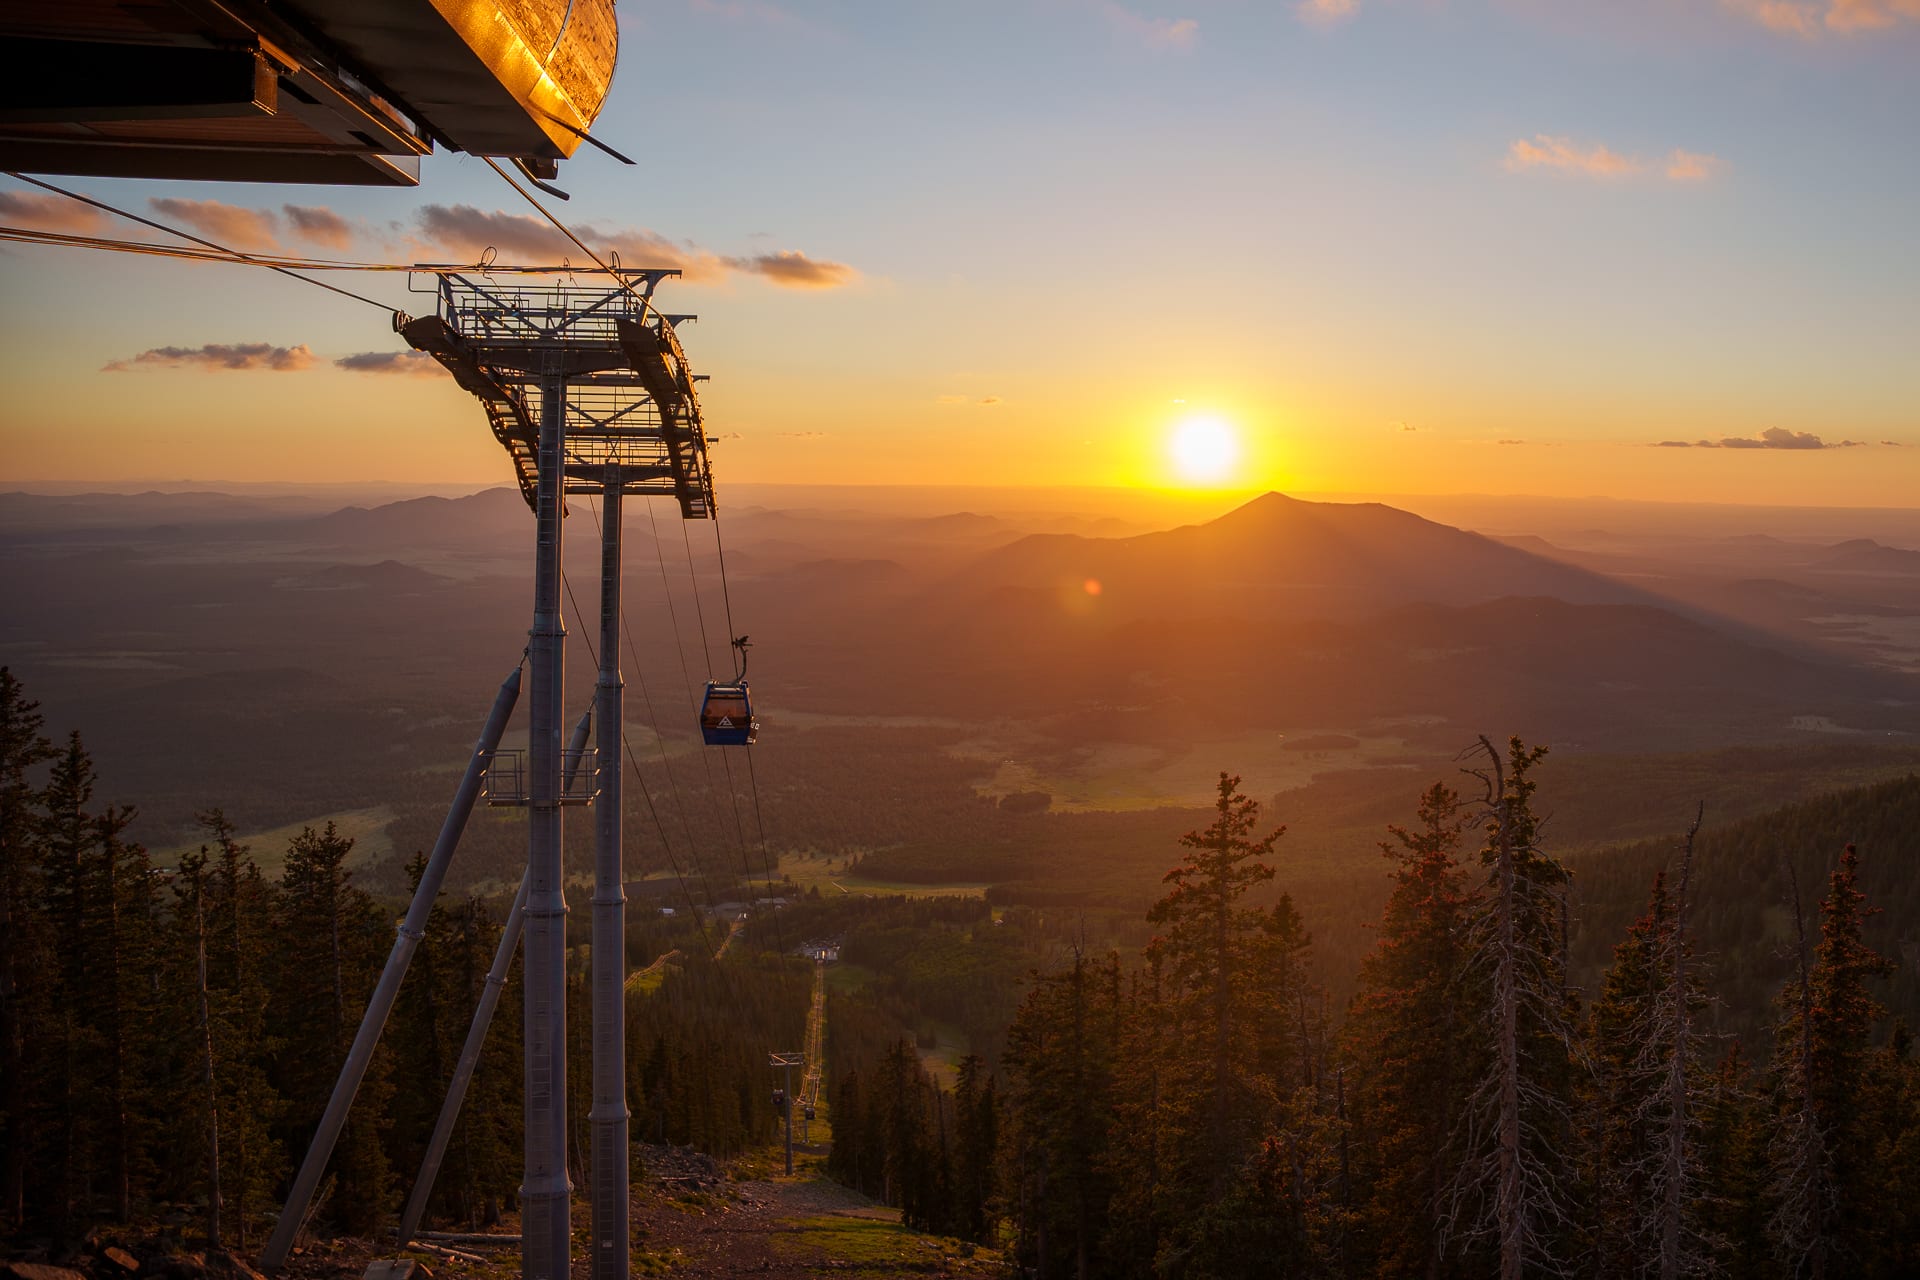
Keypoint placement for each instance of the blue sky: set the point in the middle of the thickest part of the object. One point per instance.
(1379, 238)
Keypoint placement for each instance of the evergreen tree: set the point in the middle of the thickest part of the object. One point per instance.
(68, 836)
(1412, 1050)
(1205, 942)
(976, 1121)
(120, 1003)
(332, 948)
(1061, 1066)
(202, 1115)
(23, 950)
(1735, 1129)
(1830, 1211)
(239, 906)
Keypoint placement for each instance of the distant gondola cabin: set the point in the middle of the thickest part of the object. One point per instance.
(726, 716)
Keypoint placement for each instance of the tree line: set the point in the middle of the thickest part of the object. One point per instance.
(1194, 1110)
(169, 1036)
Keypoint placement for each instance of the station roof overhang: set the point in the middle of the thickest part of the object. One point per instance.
(334, 91)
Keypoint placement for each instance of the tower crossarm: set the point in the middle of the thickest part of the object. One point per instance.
(632, 411)
(506, 414)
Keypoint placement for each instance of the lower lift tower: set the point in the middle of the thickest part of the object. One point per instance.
(587, 388)
(589, 391)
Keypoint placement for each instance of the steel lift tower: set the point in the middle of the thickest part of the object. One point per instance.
(588, 390)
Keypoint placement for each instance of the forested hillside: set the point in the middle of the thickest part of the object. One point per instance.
(1747, 877)
(1659, 1058)
(1199, 1107)
(172, 1033)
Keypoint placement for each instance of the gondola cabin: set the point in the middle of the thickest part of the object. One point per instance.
(726, 715)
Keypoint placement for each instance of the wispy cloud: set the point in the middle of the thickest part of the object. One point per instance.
(1771, 438)
(982, 402)
(803, 435)
(795, 270)
(1778, 15)
(50, 212)
(1692, 166)
(319, 225)
(1870, 15)
(1563, 155)
(416, 363)
(1326, 12)
(1155, 33)
(1808, 18)
(220, 357)
(230, 224)
(1545, 151)
(465, 231)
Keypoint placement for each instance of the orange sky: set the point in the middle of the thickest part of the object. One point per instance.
(1400, 248)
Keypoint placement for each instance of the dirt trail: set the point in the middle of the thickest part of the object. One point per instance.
(794, 1229)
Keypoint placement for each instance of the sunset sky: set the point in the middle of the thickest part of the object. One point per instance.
(1496, 246)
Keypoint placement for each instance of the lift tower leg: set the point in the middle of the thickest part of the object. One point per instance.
(476, 1036)
(463, 1071)
(612, 1257)
(546, 1218)
(405, 942)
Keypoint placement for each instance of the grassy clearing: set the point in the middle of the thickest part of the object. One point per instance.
(825, 875)
(367, 828)
(845, 979)
(1126, 777)
(943, 1060)
(858, 1242)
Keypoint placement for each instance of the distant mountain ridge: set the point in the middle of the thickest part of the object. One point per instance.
(1278, 556)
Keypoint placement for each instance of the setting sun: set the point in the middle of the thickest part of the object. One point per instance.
(1204, 450)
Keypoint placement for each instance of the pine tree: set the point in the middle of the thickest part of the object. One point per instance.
(67, 841)
(1411, 1048)
(122, 927)
(426, 1029)
(1829, 1216)
(331, 951)
(190, 894)
(1061, 1066)
(1736, 1126)
(976, 1121)
(23, 957)
(1629, 1085)
(240, 907)
(1206, 944)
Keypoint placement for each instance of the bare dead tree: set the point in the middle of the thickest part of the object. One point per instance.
(1673, 1047)
(1802, 1173)
(1518, 1117)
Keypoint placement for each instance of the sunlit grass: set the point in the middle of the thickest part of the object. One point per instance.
(820, 873)
(367, 828)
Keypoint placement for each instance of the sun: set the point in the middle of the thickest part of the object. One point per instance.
(1204, 450)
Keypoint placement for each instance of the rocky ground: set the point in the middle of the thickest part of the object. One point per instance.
(691, 1217)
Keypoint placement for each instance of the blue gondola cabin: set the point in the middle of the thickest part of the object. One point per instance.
(726, 716)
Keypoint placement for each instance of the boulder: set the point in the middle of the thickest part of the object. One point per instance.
(40, 1271)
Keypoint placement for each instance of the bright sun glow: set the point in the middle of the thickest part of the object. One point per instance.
(1204, 450)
